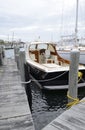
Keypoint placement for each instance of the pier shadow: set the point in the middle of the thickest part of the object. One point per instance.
(27, 86)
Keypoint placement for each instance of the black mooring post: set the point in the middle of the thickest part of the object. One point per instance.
(27, 86)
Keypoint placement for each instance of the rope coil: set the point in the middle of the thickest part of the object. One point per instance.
(73, 102)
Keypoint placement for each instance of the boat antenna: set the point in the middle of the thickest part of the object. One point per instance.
(76, 25)
(62, 22)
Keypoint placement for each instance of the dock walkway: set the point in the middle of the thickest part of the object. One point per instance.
(14, 108)
(71, 119)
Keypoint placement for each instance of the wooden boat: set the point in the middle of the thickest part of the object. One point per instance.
(47, 68)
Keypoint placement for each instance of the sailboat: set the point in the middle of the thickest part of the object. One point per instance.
(69, 40)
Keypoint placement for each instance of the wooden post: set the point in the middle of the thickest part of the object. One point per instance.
(0, 56)
(22, 61)
(24, 71)
(3, 51)
(16, 55)
(16, 52)
(73, 73)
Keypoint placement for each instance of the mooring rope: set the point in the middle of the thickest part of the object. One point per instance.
(44, 80)
(27, 82)
(80, 74)
(74, 101)
(19, 82)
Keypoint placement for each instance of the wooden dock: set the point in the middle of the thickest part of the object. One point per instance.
(71, 119)
(14, 108)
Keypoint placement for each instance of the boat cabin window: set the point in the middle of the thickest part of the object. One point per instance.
(42, 53)
(40, 46)
(32, 47)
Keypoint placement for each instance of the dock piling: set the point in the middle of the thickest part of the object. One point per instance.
(24, 72)
(22, 61)
(16, 55)
(0, 56)
(73, 74)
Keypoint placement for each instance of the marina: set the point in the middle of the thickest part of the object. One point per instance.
(42, 65)
(46, 106)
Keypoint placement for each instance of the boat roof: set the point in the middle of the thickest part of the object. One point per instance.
(40, 42)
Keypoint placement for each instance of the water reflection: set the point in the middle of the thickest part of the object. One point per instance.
(81, 93)
(55, 99)
(46, 105)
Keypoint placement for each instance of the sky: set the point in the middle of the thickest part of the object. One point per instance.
(47, 20)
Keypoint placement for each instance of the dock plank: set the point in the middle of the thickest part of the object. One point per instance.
(14, 108)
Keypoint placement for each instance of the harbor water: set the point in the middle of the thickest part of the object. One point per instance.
(46, 105)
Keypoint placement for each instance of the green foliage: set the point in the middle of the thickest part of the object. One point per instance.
(2, 42)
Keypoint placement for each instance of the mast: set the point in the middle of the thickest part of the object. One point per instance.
(76, 25)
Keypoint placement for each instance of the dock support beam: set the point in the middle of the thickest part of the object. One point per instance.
(73, 74)
(0, 56)
(16, 55)
(24, 71)
(22, 61)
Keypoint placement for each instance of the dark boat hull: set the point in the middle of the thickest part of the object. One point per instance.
(53, 80)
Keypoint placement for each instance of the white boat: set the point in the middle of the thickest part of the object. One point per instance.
(48, 68)
(69, 42)
(66, 45)
(64, 51)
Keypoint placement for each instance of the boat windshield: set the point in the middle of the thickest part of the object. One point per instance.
(32, 47)
(40, 46)
(46, 47)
